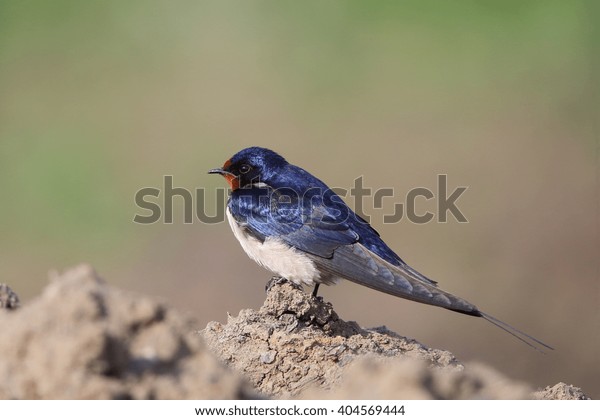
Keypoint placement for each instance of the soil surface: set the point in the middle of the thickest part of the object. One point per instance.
(84, 339)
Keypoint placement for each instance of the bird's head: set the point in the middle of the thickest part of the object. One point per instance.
(251, 166)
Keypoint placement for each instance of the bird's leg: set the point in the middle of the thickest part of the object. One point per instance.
(316, 290)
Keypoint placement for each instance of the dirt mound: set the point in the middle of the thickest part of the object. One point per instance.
(295, 345)
(295, 341)
(83, 339)
(561, 391)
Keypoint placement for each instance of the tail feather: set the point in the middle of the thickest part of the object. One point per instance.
(525, 338)
(359, 265)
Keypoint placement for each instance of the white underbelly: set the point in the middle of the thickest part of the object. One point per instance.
(277, 257)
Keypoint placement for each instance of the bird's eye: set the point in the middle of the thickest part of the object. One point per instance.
(244, 169)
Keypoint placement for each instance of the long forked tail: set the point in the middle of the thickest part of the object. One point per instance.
(525, 338)
(358, 264)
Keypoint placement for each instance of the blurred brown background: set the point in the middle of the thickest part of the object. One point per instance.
(99, 99)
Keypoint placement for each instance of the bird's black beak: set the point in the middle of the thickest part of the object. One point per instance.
(219, 171)
(232, 180)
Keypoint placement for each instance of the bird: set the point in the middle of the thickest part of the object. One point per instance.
(291, 223)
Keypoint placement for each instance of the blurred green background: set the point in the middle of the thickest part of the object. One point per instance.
(101, 98)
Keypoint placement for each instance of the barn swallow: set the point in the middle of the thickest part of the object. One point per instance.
(291, 223)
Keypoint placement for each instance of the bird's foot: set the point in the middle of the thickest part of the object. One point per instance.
(275, 280)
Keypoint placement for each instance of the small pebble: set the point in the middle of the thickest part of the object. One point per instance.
(268, 357)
